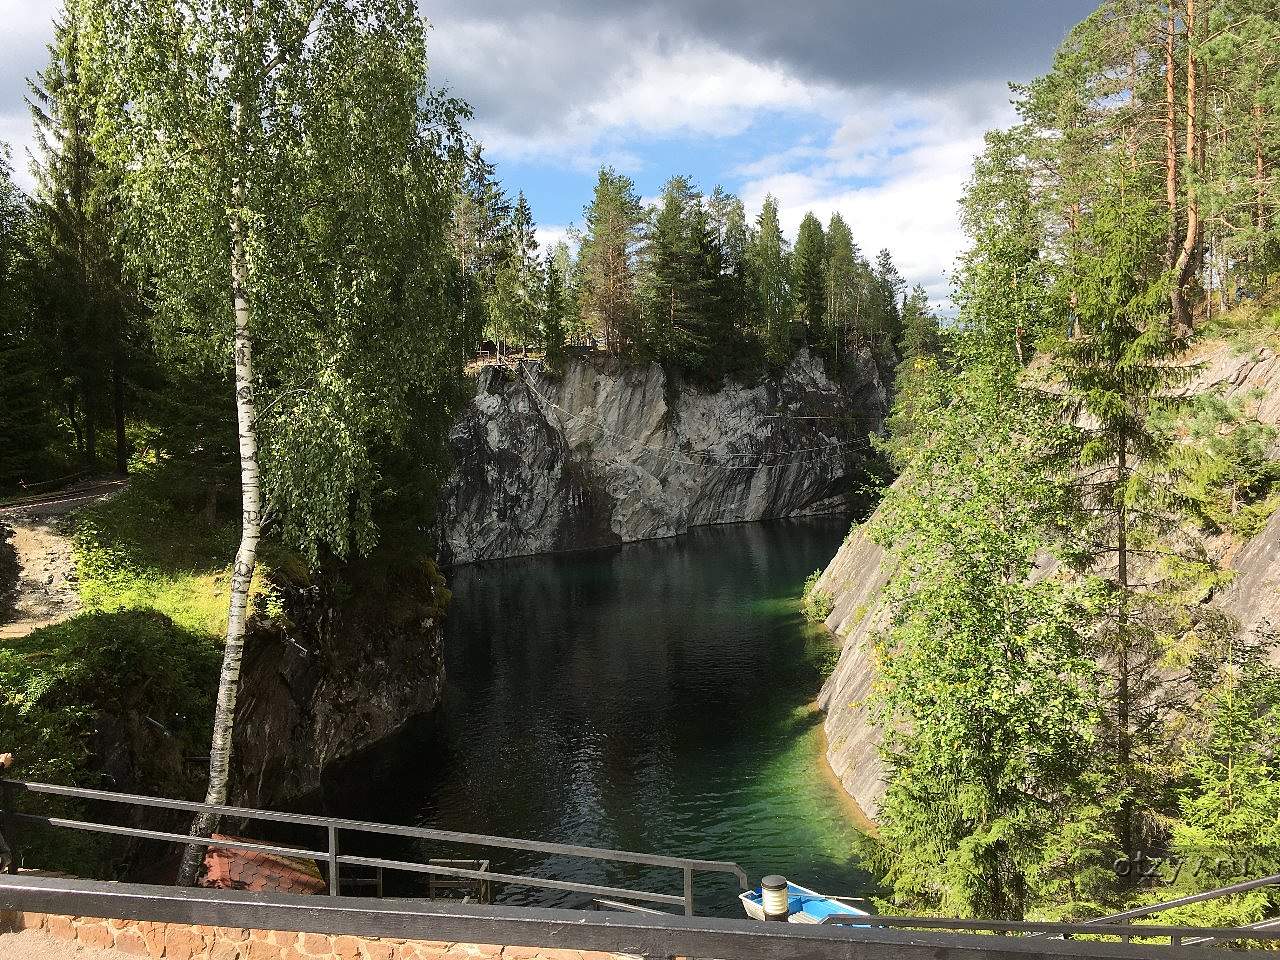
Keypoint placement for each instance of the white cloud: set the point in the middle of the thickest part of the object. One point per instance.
(895, 170)
(549, 236)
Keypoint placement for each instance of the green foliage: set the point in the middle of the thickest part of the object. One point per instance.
(1222, 459)
(556, 306)
(1227, 829)
(100, 680)
(680, 270)
(354, 298)
(809, 278)
(85, 307)
(28, 428)
(606, 270)
(517, 295)
(769, 281)
(987, 692)
(816, 603)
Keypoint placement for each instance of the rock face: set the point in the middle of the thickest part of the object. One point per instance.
(857, 574)
(355, 657)
(607, 453)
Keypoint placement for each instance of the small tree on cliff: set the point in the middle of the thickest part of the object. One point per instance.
(291, 183)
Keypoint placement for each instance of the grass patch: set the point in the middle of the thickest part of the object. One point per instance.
(141, 551)
(1247, 326)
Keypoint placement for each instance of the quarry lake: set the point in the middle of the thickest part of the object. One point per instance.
(656, 697)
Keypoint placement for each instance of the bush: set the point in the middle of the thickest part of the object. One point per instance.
(816, 604)
(129, 685)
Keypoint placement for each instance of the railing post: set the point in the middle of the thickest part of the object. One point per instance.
(333, 860)
(688, 891)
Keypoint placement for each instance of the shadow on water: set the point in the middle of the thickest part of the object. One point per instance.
(654, 697)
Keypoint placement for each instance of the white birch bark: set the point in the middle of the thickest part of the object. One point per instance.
(246, 560)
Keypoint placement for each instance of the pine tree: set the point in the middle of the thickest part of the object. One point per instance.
(606, 269)
(769, 274)
(808, 280)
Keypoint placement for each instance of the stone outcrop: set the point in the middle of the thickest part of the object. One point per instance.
(604, 452)
(354, 657)
(857, 574)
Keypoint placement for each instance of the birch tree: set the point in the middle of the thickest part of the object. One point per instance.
(290, 179)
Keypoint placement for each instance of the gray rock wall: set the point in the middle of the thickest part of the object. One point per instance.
(609, 453)
(356, 655)
(857, 574)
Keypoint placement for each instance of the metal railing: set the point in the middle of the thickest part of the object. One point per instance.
(1115, 925)
(1235, 888)
(1177, 936)
(335, 859)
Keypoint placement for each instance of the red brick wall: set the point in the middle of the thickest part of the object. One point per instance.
(179, 941)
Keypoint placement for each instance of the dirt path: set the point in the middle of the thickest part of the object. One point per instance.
(35, 945)
(37, 572)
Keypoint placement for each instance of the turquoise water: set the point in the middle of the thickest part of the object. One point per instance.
(655, 697)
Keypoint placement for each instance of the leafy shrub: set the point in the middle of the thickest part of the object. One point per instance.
(78, 690)
(816, 604)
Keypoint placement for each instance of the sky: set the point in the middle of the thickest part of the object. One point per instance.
(873, 108)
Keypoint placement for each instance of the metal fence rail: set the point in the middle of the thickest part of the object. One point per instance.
(1176, 935)
(332, 854)
(649, 935)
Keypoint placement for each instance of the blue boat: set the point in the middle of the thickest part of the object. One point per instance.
(803, 905)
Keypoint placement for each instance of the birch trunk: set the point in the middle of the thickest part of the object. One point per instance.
(246, 561)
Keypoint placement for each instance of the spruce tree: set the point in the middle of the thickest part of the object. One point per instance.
(554, 307)
(769, 283)
(480, 238)
(808, 280)
(885, 305)
(1120, 369)
(843, 294)
(88, 303)
(680, 270)
(920, 336)
(987, 692)
(515, 297)
(27, 427)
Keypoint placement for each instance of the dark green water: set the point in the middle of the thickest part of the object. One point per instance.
(655, 698)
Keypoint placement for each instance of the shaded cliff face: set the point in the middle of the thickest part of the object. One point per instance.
(859, 571)
(356, 657)
(608, 453)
